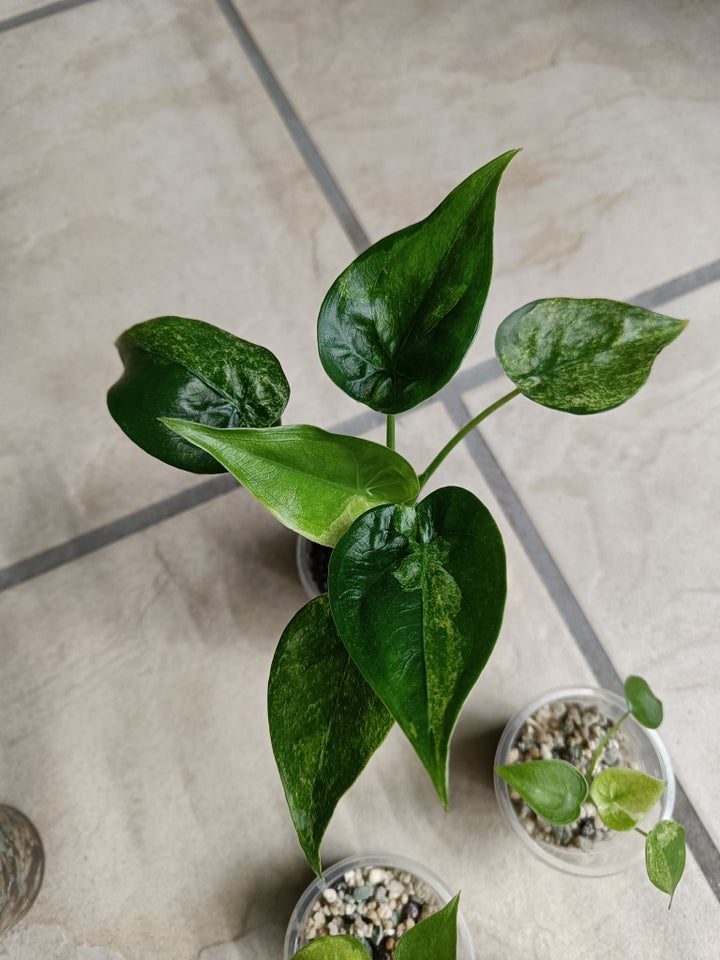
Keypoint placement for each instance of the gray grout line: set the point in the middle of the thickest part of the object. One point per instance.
(540, 557)
(678, 286)
(699, 841)
(109, 533)
(40, 13)
(295, 127)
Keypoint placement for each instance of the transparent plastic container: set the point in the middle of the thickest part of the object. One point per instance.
(21, 866)
(646, 753)
(294, 939)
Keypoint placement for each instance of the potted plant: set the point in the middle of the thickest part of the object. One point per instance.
(416, 586)
(375, 899)
(581, 776)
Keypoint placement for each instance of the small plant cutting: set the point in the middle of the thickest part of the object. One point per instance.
(556, 790)
(416, 586)
(433, 938)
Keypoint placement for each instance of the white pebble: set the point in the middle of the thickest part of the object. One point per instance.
(330, 895)
(376, 875)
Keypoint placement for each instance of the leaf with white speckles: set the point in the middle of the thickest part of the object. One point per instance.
(434, 938)
(418, 595)
(582, 356)
(325, 721)
(178, 367)
(624, 797)
(665, 856)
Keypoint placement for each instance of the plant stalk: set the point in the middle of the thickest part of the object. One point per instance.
(601, 746)
(390, 431)
(462, 433)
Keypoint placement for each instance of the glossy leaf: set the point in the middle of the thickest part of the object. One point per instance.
(418, 596)
(340, 947)
(624, 797)
(555, 789)
(176, 367)
(325, 721)
(643, 704)
(396, 324)
(582, 356)
(434, 938)
(314, 482)
(665, 856)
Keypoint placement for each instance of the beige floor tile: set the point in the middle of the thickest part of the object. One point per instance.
(148, 175)
(615, 105)
(627, 504)
(132, 711)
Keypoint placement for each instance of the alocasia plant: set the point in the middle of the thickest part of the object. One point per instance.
(556, 791)
(416, 587)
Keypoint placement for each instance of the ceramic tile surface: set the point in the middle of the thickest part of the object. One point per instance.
(148, 175)
(614, 104)
(140, 745)
(148, 171)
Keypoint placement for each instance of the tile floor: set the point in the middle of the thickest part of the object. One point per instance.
(222, 160)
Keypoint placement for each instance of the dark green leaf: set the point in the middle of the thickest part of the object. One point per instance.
(314, 482)
(434, 938)
(396, 324)
(418, 597)
(555, 789)
(325, 721)
(643, 704)
(624, 797)
(340, 947)
(175, 367)
(665, 856)
(582, 356)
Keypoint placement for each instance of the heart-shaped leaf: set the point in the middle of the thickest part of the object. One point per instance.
(644, 705)
(418, 594)
(396, 324)
(434, 938)
(340, 947)
(665, 856)
(624, 797)
(176, 367)
(325, 721)
(314, 482)
(555, 789)
(582, 356)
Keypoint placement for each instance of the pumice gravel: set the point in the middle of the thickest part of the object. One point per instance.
(374, 904)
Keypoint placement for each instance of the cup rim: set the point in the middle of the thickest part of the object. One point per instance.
(568, 859)
(378, 859)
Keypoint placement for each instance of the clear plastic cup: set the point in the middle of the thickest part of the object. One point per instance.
(646, 753)
(21, 866)
(294, 939)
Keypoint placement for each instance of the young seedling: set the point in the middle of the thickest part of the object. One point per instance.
(434, 938)
(556, 791)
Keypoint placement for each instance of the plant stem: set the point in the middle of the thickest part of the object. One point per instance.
(462, 433)
(638, 830)
(390, 431)
(601, 746)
